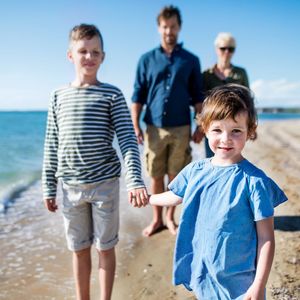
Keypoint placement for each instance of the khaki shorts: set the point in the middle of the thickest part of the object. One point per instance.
(91, 214)
(167, 150)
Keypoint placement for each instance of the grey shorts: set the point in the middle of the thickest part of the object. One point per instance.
(91, 214)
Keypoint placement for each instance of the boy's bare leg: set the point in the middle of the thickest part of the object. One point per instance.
(82, 266)
(170, 222)
(107, 267)
(157, 186)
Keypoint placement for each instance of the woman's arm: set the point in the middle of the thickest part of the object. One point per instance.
(265, 254)
(165, 199)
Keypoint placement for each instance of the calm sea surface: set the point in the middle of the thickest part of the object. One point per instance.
(21, 150)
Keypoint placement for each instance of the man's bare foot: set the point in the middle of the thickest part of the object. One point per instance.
(171, 226)
(153, 228)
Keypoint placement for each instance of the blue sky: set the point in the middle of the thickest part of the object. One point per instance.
(34, 42)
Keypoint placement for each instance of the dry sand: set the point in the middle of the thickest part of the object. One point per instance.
(277, 152)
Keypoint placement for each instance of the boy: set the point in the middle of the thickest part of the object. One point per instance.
(82, 120)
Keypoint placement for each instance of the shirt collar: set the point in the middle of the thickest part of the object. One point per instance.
(178, 47)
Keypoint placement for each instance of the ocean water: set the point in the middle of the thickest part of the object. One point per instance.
(21, 150)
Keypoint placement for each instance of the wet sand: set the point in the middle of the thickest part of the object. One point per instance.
(36, 264)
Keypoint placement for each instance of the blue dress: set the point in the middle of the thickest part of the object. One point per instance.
(215, 252)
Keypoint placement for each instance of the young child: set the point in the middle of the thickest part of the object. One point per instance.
(225, 243)
(82, 120)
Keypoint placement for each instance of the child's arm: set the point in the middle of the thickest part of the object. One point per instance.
(165, 199)
(265, 254)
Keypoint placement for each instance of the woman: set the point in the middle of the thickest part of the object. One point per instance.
(223, 71)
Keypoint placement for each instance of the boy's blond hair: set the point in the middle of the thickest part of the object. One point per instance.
(227, 101)
(85, 31)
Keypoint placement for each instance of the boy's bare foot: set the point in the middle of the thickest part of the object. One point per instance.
(153, 228)
(171, 226)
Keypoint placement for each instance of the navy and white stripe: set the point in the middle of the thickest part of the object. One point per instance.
(80, 130)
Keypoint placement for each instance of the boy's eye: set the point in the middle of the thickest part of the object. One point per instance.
(96, 53)
(216, 130)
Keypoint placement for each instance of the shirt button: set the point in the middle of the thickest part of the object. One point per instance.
(165, 113)
(169, 75)
(166, 100)
(167, 87)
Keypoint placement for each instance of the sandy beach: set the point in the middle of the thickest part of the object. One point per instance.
(36, 264)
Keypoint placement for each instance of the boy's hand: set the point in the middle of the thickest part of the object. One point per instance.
(138, 197)
(50, 204)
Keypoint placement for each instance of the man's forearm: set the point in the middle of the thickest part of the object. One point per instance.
(136, 109)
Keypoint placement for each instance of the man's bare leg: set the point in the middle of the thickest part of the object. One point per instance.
(170, 222)
(82, 266)
(157, 186)
(107, 268)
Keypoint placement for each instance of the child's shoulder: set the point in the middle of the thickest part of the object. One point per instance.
(251, 170)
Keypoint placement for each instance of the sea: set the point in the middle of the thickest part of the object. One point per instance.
(21, 151)
(28, 255)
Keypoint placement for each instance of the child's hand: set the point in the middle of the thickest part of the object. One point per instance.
(255, 292)
(50, 204)
(138, 197)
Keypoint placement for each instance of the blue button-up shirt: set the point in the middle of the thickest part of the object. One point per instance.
(168, 85)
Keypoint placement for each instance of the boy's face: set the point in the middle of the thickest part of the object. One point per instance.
(86, 55)
(227, 139)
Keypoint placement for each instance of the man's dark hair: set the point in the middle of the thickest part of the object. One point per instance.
(168, 12)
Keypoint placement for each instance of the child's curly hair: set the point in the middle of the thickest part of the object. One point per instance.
(227, 101)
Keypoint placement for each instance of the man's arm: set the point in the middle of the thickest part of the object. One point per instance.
(136, 109)
(198, 133)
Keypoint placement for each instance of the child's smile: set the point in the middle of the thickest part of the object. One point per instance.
(227, 139)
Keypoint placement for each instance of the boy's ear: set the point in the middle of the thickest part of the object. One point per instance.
(69, 55)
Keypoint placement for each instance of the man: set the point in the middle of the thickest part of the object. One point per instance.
(168, 81)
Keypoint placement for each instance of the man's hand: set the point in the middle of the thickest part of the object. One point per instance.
(50, 204)
(138, 197)
(139, 135)
(198, 135)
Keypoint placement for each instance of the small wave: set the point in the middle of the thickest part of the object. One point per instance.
(10, 196)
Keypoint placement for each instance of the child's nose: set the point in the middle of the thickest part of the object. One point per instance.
(225, 136)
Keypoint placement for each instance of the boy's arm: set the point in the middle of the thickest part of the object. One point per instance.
(165, 199)
(123, 126)
(265, 254)
(49, 181)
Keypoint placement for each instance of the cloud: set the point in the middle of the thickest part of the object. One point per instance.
(279, 93)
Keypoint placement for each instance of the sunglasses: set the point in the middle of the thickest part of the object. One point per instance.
(230, 49)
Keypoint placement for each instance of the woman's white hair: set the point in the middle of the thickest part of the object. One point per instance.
(225, 37)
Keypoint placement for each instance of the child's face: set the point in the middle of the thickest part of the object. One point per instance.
(86, 55)
(227, 139)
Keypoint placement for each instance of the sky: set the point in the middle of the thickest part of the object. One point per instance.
(35, 40)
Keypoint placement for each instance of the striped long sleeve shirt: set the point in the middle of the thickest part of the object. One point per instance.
(81, 126)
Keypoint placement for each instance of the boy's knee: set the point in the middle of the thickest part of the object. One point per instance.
(106, 252)
(83, 252)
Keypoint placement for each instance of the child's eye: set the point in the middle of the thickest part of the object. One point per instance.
(216, 130)
(236, 131)
(96, 53)
(82, 51)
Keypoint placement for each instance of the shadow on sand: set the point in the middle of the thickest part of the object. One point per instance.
(287, 223)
